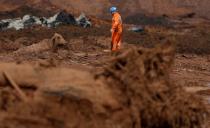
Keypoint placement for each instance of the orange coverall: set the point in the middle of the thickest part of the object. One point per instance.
(116, 31)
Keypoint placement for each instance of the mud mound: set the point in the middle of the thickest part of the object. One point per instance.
(133, 91)
(140, 80)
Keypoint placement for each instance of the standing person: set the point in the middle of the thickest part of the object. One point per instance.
(116, 29)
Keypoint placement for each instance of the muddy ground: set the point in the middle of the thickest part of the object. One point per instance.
(88, 50)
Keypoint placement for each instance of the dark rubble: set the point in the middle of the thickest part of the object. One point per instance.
(58, 19)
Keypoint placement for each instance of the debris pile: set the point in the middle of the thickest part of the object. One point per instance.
(133, 91)
(83, 21)
(140, 79)
(59, 18)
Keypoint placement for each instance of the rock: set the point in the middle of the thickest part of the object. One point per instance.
(16, 24)
(3, 25)
(28, 20)
(61, 18)
(65, 18)
(83, 21)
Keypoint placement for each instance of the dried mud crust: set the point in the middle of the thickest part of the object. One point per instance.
(139, 87)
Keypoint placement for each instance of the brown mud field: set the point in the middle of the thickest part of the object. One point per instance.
(160, 78)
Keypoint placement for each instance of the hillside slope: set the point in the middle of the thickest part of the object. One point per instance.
(127, 7)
